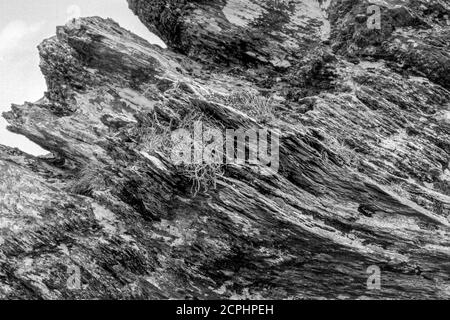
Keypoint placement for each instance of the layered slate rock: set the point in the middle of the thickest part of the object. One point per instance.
(413, 35)
(364, 152)
(270, 32)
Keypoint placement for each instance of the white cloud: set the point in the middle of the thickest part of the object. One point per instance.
(14, 32)
(73, 12)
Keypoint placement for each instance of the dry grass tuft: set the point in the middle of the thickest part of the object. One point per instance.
(89, 179)
(156, 136)
(348, 155)
(261, 108)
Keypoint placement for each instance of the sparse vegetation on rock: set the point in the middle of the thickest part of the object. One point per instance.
(364, 154)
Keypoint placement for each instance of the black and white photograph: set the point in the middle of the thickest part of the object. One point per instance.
(224, 155)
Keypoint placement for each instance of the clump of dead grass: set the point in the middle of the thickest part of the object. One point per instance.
(259, 107)
(348, 155)
(156, 136)
(87, 180)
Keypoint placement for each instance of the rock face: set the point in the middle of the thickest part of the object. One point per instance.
(363, 180)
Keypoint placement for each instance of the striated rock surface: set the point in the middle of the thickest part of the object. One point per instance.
(364, 180)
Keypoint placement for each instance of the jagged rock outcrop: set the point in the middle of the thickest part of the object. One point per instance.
(412, 36)
(231, 32)
(364, 153)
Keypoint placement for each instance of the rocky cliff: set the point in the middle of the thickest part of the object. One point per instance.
(363, 180)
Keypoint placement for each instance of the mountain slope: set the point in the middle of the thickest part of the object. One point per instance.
(363, 174)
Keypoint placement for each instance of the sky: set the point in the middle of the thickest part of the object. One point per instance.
(23, 25)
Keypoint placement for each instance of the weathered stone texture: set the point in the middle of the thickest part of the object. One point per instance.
(364, 153)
